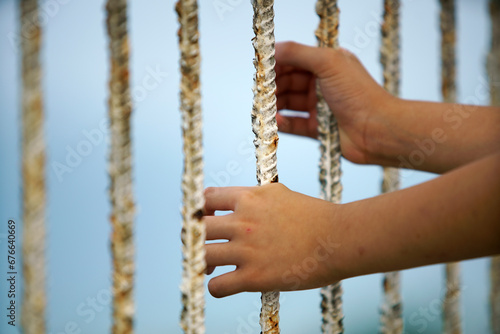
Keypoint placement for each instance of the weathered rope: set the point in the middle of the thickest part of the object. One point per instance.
(451, 304)
(193, 229)
(329, 164)
(33, 170)
(494, 55)
(448, 44)
(120, 169)
(494, 75)
(391, 312)
(265, 128)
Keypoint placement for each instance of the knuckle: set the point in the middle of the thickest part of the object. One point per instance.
(248, 196)
(251, 280)
(209, 191)
(287, 46)
(347, 55)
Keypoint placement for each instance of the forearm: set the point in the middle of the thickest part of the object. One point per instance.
(453, 217)
(434, 137)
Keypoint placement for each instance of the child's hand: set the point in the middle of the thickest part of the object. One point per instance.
(356, 100)
(278, 239)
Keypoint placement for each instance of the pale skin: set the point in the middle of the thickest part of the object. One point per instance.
(283, 240)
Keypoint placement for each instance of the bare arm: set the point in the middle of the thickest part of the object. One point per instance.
(375, 127)
(283, 240)
(434, 137)
(453, 217)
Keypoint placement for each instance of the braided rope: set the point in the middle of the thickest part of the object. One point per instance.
(265, 128)
(329, 164)
(494, 55)
(33, 170)
(193, 229)
(448, 43)
(451, 304)
(494, 74)
(391, 311)
(120, 169)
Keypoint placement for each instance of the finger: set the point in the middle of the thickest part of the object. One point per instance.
(280, 70)
(210, 270)
(294, 81)
(220, 254)
(227, 284)
(218, 227)
(297, 125)
(220, 199)
(293, 101)
(303, 57)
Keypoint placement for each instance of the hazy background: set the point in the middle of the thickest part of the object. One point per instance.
(75, 66)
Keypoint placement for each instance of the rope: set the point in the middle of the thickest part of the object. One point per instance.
(451, 304)
(448, 42)
(494, 74)
(391, 311)
(494, 55)
(120, 169)
(329, 164)
(33, 169)
(193, 230)
(265, 128)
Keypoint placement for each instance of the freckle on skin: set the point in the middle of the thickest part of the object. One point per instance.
(361, 251)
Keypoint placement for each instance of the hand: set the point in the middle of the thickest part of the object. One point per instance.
(356, 100)
(278, 239)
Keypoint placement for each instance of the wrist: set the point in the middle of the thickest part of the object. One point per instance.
(338, 265)
(384, 139)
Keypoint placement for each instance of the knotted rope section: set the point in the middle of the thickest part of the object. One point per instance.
(265, 128)
(391, 312)
(193, 229)
(120, 169)
(329, 164)
(33, 171)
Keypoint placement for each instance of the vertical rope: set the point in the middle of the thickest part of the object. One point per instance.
(494, 55)
(33, 169)
(120, 169)
(265, 128)
(193, 229)
(391, 312)
(451, 304)
(329, 164)
(494, 75)
(448, 42)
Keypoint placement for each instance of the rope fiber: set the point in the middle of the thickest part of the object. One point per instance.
(391, 318)
(33, 172)
(193, 229)
(451, 304)
(265, 128)
(329, 164)
(120, 169)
